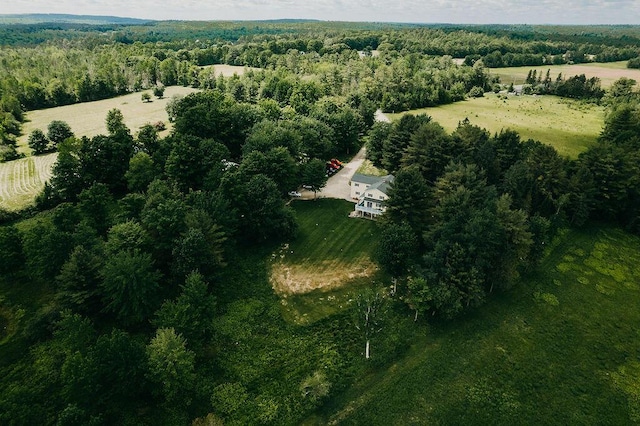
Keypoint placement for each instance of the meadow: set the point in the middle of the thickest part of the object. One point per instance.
(318, 272)
(569, 126)
(606, 72)
(560, 348)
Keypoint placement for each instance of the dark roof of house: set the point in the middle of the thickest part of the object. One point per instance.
(383, 185)
(369, 180)
(380, 183)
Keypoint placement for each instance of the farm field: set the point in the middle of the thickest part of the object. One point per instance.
(88, 119)
(315, 273)
(606, 72)
(560, 348)
(21, 180)
(569, 126)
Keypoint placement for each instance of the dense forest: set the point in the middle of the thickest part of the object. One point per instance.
(138, 282)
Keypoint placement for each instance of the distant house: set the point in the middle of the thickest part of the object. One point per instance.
(371, 193)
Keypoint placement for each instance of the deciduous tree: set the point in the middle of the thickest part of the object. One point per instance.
(38, 142)
(58, 131)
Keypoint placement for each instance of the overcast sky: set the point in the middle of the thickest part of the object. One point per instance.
(426, 11)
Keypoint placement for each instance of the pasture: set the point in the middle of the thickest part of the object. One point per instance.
(569, 126)
(316, 273)
(560, 348)
(606, 72)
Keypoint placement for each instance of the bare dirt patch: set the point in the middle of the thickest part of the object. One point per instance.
(300, 279)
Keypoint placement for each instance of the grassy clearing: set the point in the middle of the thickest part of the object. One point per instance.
(607, 73)
(88, 119)
(21, 180)
(316, 273)
(561, 348)
(367, 168)
(569, 126)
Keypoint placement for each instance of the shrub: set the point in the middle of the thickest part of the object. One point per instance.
(159, 126)
(476, 92)
(634, 63)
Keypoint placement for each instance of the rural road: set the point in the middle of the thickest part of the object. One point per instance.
(338, 184)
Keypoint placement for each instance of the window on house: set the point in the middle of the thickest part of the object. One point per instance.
(356, 184)
(357, 192)
(369, 204)
(370, 194)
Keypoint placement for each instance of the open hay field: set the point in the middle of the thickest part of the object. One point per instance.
(561, 348)
(88, 119)
(606, 72)
(21, 180)
(230, 70)
(314, 273)
(569, 126)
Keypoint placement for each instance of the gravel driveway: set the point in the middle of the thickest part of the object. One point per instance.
(338, 184)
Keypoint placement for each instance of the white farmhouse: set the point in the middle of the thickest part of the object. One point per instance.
(371, 193)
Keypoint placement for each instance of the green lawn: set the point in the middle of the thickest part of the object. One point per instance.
(561, 348)
(318, 272)
(569, 126)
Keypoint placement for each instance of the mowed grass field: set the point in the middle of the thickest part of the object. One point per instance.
(563, 348)
(606, 72)
(316, 273)
(569, 126)
(88, 118)
(21, 180)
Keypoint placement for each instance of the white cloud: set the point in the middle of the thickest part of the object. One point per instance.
(454, 11)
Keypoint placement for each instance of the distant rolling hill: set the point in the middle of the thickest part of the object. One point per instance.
(38, 18)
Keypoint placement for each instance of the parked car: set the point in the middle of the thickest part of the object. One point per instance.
(295, 194)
